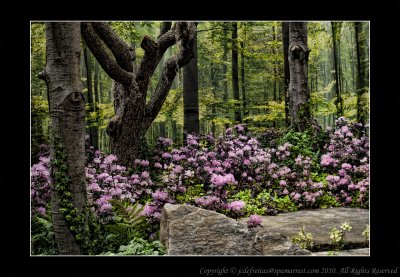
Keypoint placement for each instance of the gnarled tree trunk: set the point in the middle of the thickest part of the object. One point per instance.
(67, 115)
(299, 94)
(133, 115)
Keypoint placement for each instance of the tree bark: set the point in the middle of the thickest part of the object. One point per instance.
(225, 95)
(235, 72)
(339, 101)
(191, 96)
(243, 77)
(299, 95)
(67, 117)
(362, 74)
(275, 70)
(133, 115)
(285, 43)
(93, 131)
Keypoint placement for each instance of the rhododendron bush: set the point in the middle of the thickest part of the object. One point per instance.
(218, 173)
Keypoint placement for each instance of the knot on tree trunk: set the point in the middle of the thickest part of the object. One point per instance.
(114, 127)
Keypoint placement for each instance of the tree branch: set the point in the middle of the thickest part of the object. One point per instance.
(123, 54)
(165, 28)
(186, 35)
(109, 65)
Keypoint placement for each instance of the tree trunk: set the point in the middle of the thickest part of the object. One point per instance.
(299, 95)
(191, 96)
(133, 115)
(235, 72)
(362, 74)
(339, 102)
(214, 87)
(224, 66)
(67, 119)
(275, 71)
(285, 43)
(243, 77)
(162, 129)
(93, 131)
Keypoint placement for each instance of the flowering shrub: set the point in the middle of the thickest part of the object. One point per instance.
(40, 186)
(254, 221)
(347, 163)
(232, 174)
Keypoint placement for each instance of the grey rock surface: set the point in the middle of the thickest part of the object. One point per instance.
(319, 222)
(351, 252)
(188, 230)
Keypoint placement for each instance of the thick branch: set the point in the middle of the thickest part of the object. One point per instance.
(186, 34)
(123, 54)
(165, 28)
(99, 51)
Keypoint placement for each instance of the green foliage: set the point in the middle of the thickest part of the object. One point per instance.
(284, 204)
(128, 222)
(302, 144)
(303, 239)
(274, 111)
(74, 219)
(254, 205)
(326, 201)
(191, 194)
(365, 233)
(43, 241)
(139, 246)
(337, 236)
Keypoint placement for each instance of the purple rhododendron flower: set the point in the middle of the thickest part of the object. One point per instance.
(254, 221)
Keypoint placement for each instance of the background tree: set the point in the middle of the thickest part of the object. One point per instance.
(67, 114)
(336, 29)
(299, 95)
(133, 115)
(285, 43)
(235, 72)
(191, 95)
(362, 73)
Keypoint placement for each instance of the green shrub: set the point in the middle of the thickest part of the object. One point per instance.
(139, 246)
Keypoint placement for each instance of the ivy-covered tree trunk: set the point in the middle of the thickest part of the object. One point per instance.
(285, 43)
(299, 94)
(362, 74)
(67, 119)
(191, 96)
(133, 115)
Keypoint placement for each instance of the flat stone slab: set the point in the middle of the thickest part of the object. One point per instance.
(351, 252)
(319, 222)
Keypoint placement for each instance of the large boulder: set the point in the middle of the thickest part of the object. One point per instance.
(188, 230)
(319, 222)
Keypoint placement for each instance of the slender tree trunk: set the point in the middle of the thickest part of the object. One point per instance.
(362, 74)
(235, 72)
(299, 95)
(242, 73)
(339, 102)
(275, 71)
(224, 66)
(285, 43)
(67, 119)
(214, 85)
(191, 96)
(93, 131)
